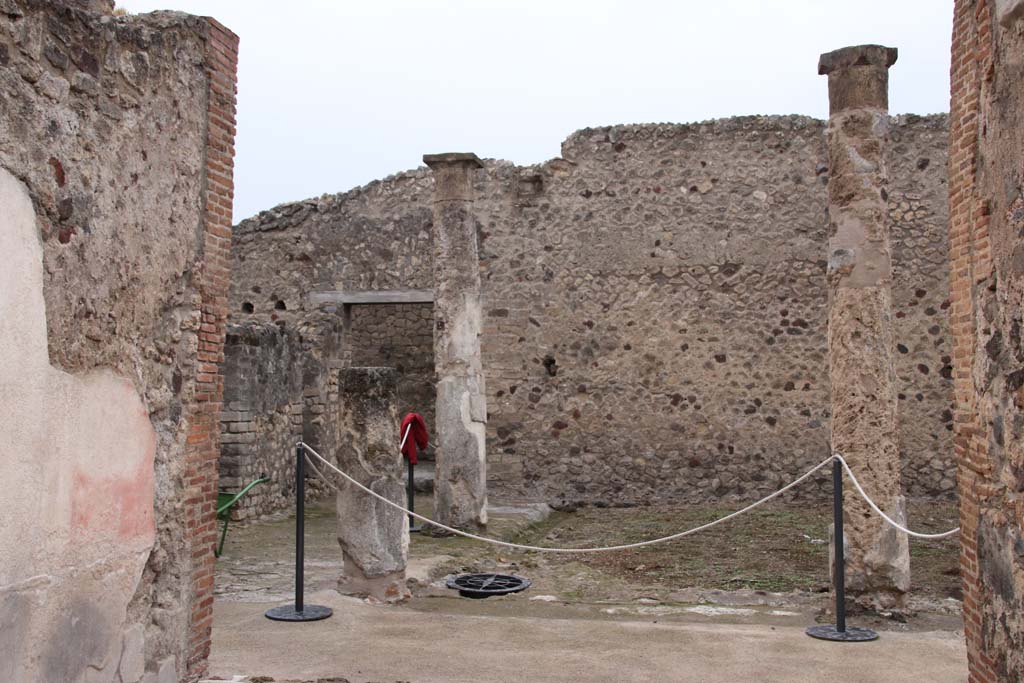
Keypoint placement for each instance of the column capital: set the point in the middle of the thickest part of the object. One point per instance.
(453, 175)
(858, 77)
(437, 161)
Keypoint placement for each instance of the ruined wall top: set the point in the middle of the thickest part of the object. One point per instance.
(624, 279)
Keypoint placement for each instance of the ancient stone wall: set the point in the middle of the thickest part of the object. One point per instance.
(278, 391)
(398, 336)
(987, 288)
(262, 418)
(654, 302)
(116, 139)
(920, 299)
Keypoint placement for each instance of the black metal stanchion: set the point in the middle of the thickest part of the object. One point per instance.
(839, 631)
(299, 611)
(410, 488)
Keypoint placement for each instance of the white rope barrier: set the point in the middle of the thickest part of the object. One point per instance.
(664, 539)
(893, 523)
(520, 546)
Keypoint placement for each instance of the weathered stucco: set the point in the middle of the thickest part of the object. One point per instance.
(105, 121)
(460, 481)
(79, 454)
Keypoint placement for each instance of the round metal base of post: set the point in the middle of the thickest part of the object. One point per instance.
(851, 635)
(308, 613)
(415, 529)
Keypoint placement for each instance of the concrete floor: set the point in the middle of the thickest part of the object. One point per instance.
(365, 643)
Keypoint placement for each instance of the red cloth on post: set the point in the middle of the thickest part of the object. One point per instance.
(417, 435)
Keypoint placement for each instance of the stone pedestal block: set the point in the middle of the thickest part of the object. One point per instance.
(460, 490)
(860, 335)
(374, 537)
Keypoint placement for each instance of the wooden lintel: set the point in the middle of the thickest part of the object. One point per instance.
(376, 296)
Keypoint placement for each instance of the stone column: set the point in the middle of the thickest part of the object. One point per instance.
(460, 482)
(860, 331)
(374, 537)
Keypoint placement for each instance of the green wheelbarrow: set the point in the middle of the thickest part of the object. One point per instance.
(226, 501)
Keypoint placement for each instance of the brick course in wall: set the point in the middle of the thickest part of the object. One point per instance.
(986, 289)
(279, 388)
(398, 336)
(203, 447)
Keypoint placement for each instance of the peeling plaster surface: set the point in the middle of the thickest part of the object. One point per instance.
(78, 452)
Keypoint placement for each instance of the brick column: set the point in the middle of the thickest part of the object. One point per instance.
(460, 486)
(203, 442)
(374, 537)
(860, 332)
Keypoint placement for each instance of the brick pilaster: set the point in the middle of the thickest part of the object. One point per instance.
(203, 445)
(970, 263)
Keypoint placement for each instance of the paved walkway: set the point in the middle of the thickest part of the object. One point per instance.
(365, 643)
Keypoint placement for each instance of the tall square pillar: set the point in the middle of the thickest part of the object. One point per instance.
(460, 484)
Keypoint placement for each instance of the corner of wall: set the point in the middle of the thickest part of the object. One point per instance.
(203, 445)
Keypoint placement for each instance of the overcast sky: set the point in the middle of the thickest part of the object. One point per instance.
(333, 93)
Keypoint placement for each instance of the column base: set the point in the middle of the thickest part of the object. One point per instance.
(390, 587)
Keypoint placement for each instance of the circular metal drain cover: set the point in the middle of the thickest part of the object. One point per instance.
(486, 585)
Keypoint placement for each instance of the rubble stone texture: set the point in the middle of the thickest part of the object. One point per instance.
(280, 388)
(460, 480)
(374, 537)
(987, 290)
(654, 304)
(860, 328)
(262, 417)
(120, 129)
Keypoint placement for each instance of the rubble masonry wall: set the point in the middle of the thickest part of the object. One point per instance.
(654, 303)
(117, 132)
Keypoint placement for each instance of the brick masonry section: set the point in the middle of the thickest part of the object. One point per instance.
(398, 336)
(986, 290)
(204, 414)
(268, 407)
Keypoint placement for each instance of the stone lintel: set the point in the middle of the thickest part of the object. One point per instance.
(436, 161)
(858, 77)
(378, 296)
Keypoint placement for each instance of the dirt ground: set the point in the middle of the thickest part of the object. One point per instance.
(763, 573)
(776, 556)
